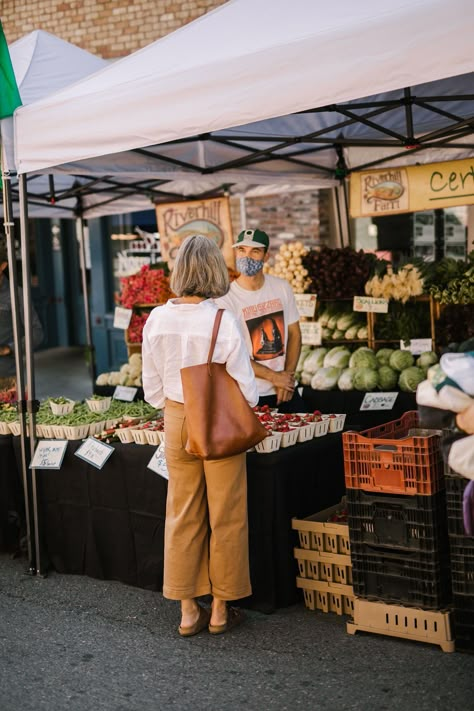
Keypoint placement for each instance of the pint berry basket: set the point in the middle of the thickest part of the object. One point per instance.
(395, 458)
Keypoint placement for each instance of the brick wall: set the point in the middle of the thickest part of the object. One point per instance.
(108, 28)
(115, 28)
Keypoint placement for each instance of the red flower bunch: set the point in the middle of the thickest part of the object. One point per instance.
(135, 329)
(148, 286)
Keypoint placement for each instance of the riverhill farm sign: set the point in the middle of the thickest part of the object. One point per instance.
(210, 218)
(412, 189)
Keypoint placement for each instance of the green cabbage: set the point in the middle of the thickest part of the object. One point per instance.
(426, 360)
(326, 378)
(399, 360)
(346, 379)
(337, 357)
(363, 358)
(365, 379)
(410, 378)
(388, 378)
(315, 360)
(383, 355)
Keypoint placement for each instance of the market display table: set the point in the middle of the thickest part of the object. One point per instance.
(109, 523)
(349, 401)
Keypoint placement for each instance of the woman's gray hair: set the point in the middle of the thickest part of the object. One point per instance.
(199, 269)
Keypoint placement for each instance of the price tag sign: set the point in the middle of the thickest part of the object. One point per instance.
(157, 463)
(417, 345)
(94, 452)
(122, 317)
(378, 401)
(306, 304)
(49, 454)
(122, 392)
(370, 303)
(310, 333)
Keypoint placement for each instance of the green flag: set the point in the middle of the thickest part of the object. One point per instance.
(9, 94)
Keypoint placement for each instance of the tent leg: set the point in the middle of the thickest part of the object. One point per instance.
(32, 404)
(338, 214)
(342, 215)
(20, 382)
(87, 313)
(243, 213)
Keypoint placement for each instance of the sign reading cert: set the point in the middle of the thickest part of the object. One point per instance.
(412, 189)
(178, 220)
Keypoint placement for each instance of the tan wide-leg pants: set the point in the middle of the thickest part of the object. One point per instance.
(206, 532)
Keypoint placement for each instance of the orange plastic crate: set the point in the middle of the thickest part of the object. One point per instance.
(389, 459)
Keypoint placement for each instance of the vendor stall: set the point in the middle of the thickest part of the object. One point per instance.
(109, 524)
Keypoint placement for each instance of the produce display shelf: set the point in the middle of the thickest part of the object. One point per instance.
(388, 459)
(412, 578)
(403, 522)
(403, 622)
(322, 596)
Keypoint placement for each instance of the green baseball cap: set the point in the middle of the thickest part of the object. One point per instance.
(253, 238)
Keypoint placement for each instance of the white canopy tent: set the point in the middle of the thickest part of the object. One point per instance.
(247, 62)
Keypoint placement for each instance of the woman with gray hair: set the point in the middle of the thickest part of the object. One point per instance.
(206, 534)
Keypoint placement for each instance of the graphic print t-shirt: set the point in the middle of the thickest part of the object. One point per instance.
(264, 316)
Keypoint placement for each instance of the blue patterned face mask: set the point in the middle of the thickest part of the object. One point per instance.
(248, 266)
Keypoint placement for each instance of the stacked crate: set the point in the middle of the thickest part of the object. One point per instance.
(462, 564)
(324, 562)
(398, 531)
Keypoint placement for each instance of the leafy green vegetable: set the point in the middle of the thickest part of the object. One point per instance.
(326, 378)
(363, 358)
(426, 359)
(346, 379)
(383, 355)
(410, 378)
(365, 379)
(388, 378)
(337, 357)
(399, 360)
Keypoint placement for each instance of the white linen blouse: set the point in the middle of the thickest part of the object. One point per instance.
(176, 336)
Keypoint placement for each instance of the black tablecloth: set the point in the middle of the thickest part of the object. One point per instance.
(336, 401)
(109, 523)
(11, 497)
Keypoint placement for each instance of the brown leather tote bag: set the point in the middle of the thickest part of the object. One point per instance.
(219, 420)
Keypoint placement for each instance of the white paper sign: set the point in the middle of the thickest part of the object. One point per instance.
(306, 304)
(122, 317)
(94, 452)
(378, 401)
(158, 462)
(49, 454)
(417, 345)
(122, 392)
(310, 333)
(370, 303)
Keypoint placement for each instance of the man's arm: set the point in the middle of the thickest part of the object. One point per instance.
(293, 351)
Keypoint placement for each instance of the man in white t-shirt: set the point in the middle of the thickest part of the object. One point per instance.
(266, 310)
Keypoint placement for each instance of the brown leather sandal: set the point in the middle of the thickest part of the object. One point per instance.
(235, 617)
(201, 623)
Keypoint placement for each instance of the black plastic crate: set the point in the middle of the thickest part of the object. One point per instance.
(403, 522)
(454, 494)
(412, 578)
(463, 602)
(462, 568)
(463, 635)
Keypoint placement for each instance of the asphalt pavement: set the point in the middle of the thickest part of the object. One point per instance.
(79, 644)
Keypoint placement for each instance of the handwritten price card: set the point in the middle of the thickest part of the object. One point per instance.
(306, 304)
(94, 452)
(310, 333)
(157, 463)
(417, 345)
(122, 317)
(122, 392)
(370, 303)
(378, 401)
(49, 454)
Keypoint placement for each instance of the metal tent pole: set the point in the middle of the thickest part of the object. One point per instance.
(338, 213)
(32, 403)
(87, 313)
(20, 381)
